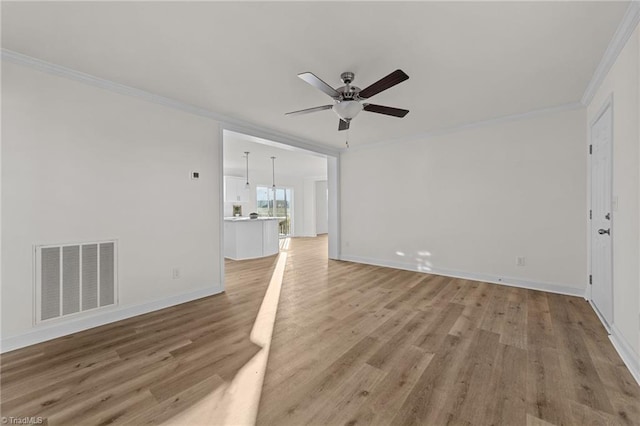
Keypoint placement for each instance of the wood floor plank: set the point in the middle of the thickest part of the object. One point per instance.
(587, 388)
(352, 345)
(107, 374)
(300, 398)
(522, 374)
(348, 397)
(514, 329)
(416, 288)
(447, 293)
(471, 398)
(494, 317)
(510, 402)
(431, 338)
(584, 415)
(466, 293)
(539, 325)
(423, 404)
(390, 394)
(534, 421)
(547, 387)
(171, 407)
(473, 312)
(395, 345)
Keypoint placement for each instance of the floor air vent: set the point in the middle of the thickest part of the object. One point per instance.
(74, 278)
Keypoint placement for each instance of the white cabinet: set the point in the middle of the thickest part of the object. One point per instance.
(250, 238)
(235, 191)
(270, 237)
(243, 240)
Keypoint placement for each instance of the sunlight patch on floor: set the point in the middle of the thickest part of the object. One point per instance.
(284, 243)
(236, 403)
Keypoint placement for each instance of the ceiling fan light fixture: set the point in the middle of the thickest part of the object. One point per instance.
(347, 109)
(347, 98)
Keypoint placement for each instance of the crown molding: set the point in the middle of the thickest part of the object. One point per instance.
(623, 33)
(227, 122)
(468, 126)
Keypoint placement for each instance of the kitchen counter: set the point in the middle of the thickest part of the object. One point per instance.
(246, 238)
(241, 218)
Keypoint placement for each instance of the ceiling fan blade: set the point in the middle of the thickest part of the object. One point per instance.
(319, 84)
(396, 77)
(381, 109)
(343, 125)
(308, 110)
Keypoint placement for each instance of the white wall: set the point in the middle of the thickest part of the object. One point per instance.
(322, 208)
(623, 82)
(309, 186)
(468, 203)
(81, 164)
(334, 207)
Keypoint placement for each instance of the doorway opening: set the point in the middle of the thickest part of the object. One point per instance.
(271, 192)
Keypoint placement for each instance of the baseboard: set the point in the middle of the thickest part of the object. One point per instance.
(508, 281)
(626, 352)
(49, 332)
(604, 322)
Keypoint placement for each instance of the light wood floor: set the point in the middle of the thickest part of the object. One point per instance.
(353, 345)
(142, 370)
(361, 345)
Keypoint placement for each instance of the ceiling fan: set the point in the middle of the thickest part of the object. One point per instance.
(348, 99)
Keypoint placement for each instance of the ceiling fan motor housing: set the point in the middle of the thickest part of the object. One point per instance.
(347, 77)
(348, 92)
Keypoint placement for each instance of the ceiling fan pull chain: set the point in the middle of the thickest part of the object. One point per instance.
(347, 141)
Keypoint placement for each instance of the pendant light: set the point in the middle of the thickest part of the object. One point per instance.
(273, 172)
(246, 155)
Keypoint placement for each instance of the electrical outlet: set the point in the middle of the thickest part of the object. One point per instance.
(520, 261)
(175, 273)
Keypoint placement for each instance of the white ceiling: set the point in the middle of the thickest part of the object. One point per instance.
(467, 61)
(289, 161)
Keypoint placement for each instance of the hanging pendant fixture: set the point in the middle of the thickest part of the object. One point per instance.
(246, 155)
(273, 172)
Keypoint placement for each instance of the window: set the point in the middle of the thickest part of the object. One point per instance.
(282, 208)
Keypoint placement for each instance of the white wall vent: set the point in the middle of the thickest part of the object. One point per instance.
(74, 278)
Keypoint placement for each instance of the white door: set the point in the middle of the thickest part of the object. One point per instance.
(601, 254)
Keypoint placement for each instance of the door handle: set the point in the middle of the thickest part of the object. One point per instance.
(604, 231)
